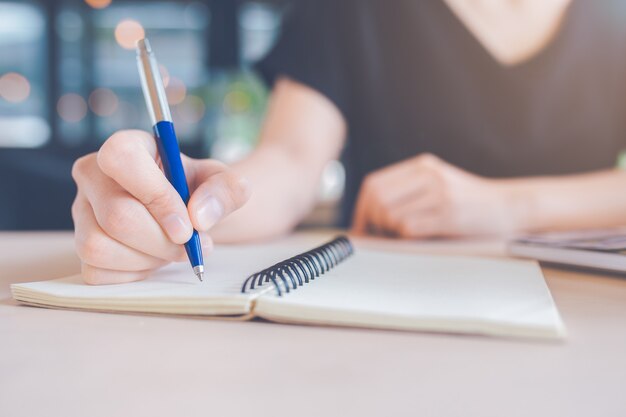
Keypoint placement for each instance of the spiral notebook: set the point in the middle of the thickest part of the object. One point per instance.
(332, 284)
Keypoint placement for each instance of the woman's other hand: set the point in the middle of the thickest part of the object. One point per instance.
(426, 197)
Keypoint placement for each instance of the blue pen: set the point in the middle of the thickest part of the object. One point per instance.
(154, 93)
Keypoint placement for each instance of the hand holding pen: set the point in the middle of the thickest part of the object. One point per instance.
(130, 220)
(167, 143)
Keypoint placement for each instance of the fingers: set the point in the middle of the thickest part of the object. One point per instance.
(219, 193)
(128, 158)
(120, 215)
(409, 189)
(122, 208)
(420, 227)
(378, 196)
(97, 249)
(100, 276)
(423, 205)
(361, 217)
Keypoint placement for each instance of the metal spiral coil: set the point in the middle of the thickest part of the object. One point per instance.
(302, 268)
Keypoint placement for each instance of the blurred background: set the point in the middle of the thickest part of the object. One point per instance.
(68, 79)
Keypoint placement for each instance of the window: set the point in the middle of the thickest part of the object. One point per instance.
(23, 83)
(68, 79)
(82, 85)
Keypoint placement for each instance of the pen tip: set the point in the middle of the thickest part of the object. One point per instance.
(199, 271)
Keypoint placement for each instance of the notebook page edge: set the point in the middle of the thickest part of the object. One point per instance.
(225, 315)
(234, 304)
(289, 314)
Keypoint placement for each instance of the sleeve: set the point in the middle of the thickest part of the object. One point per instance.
(309, 50)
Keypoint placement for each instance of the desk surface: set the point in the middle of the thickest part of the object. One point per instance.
(66, 363)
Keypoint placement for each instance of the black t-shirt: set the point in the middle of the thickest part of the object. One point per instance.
(409, 78)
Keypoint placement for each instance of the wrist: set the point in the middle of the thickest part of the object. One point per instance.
(517, 201)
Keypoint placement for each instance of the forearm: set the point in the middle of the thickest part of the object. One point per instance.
(302, 132)
(592, 200)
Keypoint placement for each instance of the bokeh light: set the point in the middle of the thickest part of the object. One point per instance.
(72, 107)
(98, 4)
(165, 75)
(176, 91)
(236, 101)
(128, 32)
(191, 110)
(14, 87)
(103, 102)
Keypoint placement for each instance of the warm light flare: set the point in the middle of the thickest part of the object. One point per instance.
(72, 108)
(98, 4)
(165, 75)
(176, 91)
(191, 110)
(128, 32)
(14, 87)
(236, 101)
(103, 102)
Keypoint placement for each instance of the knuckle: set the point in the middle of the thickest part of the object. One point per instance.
(159, 198)
(368, 182)
(75, 209)
(90, 248)
(372, 185)
(435, 179)
(116, 151)
(428, 159)
(238, 189)
(80, 166)
(90, 275)
(118, 220)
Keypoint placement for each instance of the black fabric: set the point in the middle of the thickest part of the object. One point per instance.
(410, 78)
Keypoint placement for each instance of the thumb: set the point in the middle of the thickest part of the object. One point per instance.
(221, 191)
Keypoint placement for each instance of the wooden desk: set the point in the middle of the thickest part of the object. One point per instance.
(65, 363)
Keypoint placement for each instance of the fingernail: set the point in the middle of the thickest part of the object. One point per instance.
(210, 211)
(176, 228)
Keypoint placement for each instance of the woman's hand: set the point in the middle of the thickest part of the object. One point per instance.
(128, 218)
(426, 197)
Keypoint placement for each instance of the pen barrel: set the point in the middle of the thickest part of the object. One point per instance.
(173, 168)
(170, 157)
(152, 84)
(194, 250)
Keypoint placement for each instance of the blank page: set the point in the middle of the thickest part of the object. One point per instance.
(424, 292)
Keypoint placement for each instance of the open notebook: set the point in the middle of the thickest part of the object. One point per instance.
(364, 288)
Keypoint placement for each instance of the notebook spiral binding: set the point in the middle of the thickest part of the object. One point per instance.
(300, 269)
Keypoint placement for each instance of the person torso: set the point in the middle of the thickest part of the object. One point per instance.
(416, 80)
